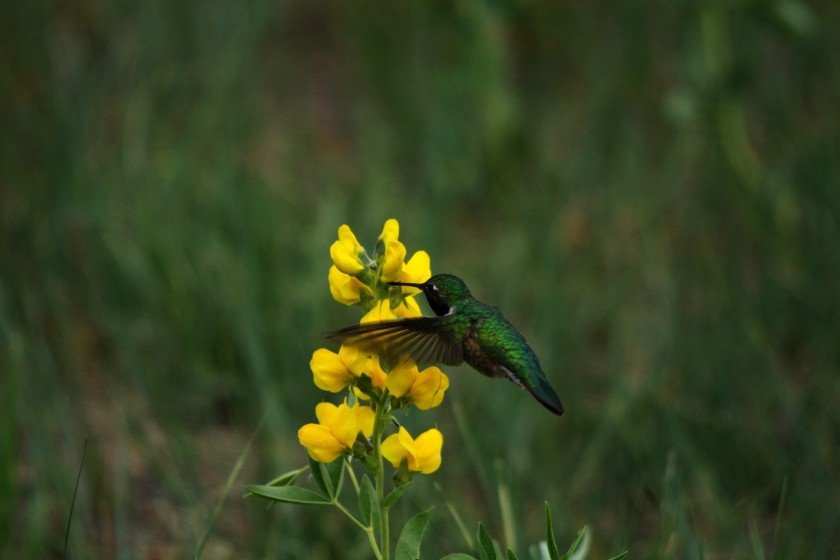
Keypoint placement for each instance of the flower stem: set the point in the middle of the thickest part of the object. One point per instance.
(382, 414)
(368, 530)
(352, 475)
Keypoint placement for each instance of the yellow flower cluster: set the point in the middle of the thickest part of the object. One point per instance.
(335, 372)
(355, 278)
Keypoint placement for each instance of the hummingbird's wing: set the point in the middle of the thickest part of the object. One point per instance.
(426, 340)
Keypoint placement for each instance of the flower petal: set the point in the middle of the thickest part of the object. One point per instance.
(390, 251)
(346, 251)
(401, 378)
(366, 417)
(392, 261)
(346, 424)
(320, 443)
(329, 371)
(377, 375)
(343, 287)
(380, 312)
(393, 450)
(407, 443)
(417, 270)
(428, 388)
(390, 231)
(408, 308)
(427, 450)
(325, 412)
(353, 359)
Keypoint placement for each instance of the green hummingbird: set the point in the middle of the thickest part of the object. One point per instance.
(463, 330)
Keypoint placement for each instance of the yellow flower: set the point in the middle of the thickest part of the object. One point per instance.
(344, 288)
(328, 371)
(346, 253)
(428, 388)
(377, 375)
(392, 251)
(374, 371)
(417, 270)
(390, 231)
(408, 308)
(336, 430)
(422, 455)
(423, 388)
(381, 311)
(333, 372)
(355, 359)
(401, 378)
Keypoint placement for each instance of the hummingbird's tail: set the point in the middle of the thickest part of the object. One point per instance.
(544, 393)
(538, 386)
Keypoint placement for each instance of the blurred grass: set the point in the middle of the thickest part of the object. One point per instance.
(650, 190)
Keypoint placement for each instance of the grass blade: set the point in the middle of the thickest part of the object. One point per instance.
(485, 544)
(234, 472)
(73, 502)
(553, 553)
(779, 518)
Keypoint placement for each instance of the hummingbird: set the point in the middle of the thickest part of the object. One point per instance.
(462, 330)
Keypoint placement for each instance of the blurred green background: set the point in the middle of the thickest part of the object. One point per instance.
(649, 190)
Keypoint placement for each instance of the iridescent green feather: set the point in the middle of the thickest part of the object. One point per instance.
(463, 330)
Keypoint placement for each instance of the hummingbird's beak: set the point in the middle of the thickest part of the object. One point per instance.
(411, 284)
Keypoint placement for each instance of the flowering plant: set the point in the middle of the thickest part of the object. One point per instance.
(353, 432)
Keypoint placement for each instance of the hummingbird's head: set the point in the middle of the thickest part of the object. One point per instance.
(442, 291)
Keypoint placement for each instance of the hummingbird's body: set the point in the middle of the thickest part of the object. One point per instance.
(463, 330)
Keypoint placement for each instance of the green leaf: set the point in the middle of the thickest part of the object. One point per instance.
(318, 475)
(329, 476)
(458, 556)
(485, 544)
(289, 494)
(580, 546)
(621, 556)
(553, 553)
(408, 545)
(395, 494)
(511, 555)
(287, 478)
(367, 499)
(334, 476)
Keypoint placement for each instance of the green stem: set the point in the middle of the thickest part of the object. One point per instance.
(368, 530)
(352, 474)
(380, 421)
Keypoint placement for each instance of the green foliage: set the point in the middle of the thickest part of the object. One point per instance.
(578, 550)
(396, 494)
(649, 192)
(408, 545)
(367, 503)
(373, 512)
(553, 553)
(486, 547)
(289, 494)
(329, 476)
